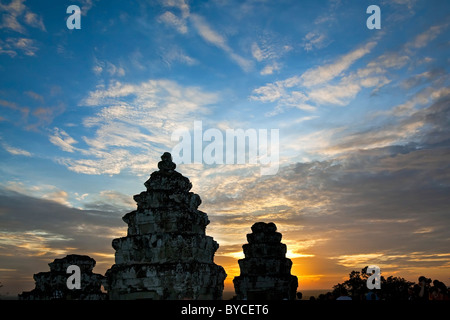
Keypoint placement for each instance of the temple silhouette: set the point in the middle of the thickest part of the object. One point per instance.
(265, 270)
(167, 255)
(52, 285)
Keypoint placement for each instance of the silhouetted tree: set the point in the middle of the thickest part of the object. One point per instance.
(395, 288)
(356, 285)
(392, 288)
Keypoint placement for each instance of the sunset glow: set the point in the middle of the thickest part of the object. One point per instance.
(363, 175)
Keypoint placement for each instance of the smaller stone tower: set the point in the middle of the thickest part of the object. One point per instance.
(52, 285)
(265, 270)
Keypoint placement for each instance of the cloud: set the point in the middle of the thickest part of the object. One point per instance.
(11, 13)
(179, 4)
(109, 201)
(14, 46)
(16, 14)
(427, 36)
(59, 196)
(257, 52)
(417, 122)
(133, 125)
(378, 181)
(269, 49)
(86, 5)
(325, 73)
(114, 70)
(333, 84)
(370, 205)
(34, 20)
(269, 69)
(172, 20)
(329, 14)
(45, 116)
(334, 94)
(61, 139)
(177, 55)
(35, 231)
(314, 40)
(407, 3)
(41, 191)
(204, 30)
(208, 34)
(26, 45)
(312, 88)
(35, 96)
(105, 66)
(394, 60)
(423, 77)
(6, 49)
(34, 119)
(15, 151)
(14, 106)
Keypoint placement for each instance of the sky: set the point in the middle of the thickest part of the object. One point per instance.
(362, 115)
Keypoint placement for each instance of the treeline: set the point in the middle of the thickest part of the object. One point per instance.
(392, 288)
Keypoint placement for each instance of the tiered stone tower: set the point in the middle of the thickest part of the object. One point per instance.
(52, 285)
(265, 271)
(166, 254)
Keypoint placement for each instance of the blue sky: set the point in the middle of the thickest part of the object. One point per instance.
(362, 115)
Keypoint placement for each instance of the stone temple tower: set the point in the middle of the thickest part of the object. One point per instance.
(166, 253)
(265, 271)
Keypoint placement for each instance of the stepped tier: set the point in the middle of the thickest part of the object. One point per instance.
(166, 281)
(165, 247)
(166, 220)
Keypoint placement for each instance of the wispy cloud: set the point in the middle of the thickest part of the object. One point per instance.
(100, 67)
(327, 72)
(16, 15)
(61, 139)
(312, 88)
(180, 5)
(15, 151)
(269, 69)
(14, 46)
(211, 36)
(172, 20)
(269, 50)
(422, 39)
(314, 40)
(33, 20)
(204, 30)
(175, 54)
(336, 83)
(134, 125)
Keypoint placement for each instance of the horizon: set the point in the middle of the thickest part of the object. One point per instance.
(356, 121)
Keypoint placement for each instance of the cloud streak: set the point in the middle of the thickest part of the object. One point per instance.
(133, 126)
(16, 15)
(204, 30)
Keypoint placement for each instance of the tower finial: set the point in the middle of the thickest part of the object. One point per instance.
(166, 164)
